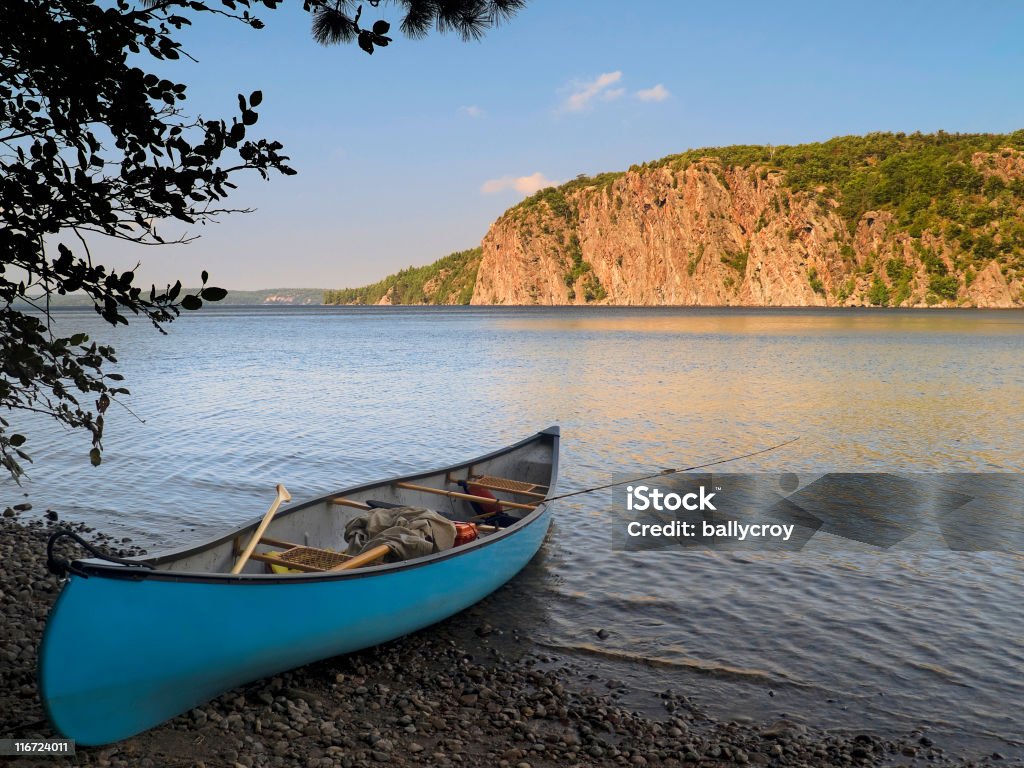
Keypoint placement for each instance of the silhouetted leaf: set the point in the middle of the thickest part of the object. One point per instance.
(95, 458)
(381, 27)
(191, 302)
(256, 98)
(214, 294)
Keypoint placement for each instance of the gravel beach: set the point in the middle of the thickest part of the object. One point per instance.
(462, 693)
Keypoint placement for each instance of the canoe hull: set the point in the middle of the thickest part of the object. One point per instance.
(177, 644)
(121, 655)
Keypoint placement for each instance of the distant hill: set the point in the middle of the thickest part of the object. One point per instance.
(887, 219)
(275, 296)
(300, 296)
(447, 281)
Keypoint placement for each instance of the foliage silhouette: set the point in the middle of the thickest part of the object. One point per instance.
(94, 146)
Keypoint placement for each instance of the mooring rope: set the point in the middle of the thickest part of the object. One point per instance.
(61, 566)
(666, 472)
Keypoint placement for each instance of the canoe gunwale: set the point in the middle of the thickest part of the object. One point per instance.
(92, 567)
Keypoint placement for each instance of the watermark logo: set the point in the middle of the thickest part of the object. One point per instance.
(787, 512)
(642, 497)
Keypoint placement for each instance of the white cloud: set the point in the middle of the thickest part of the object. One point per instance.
(472, 111)
(526, 185)
(585, 92)
(657, 93)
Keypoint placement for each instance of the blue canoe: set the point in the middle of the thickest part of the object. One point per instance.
(130, 645)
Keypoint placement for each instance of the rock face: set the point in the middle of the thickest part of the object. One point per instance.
(990, 289)
(711, 235)
(287, 298)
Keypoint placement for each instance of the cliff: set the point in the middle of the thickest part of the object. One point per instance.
(884, 220)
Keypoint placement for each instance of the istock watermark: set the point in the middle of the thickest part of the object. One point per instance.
(641, 498)
(821, 512)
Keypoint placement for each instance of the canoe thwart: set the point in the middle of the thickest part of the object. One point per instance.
(464, 496)
(279, 543)
(343, 502)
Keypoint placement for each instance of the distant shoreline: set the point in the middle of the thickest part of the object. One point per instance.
(588, 308)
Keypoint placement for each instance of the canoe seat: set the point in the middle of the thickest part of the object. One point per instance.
(510, 486)
(312, 558)
(297, 557)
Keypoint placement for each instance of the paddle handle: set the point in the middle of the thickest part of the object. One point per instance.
(282, 495)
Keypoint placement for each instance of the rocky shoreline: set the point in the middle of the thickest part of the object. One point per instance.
(461, 693)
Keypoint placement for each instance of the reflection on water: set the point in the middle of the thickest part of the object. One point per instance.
(235, 401)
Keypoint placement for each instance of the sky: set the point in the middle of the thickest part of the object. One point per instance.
(411, 153)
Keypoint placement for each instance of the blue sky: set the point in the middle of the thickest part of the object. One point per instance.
(411, 153)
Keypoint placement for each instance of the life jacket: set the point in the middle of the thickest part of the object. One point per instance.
(481, 507)
(493, 509)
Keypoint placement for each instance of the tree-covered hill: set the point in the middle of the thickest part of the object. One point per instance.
(886, 219)
(447, 281)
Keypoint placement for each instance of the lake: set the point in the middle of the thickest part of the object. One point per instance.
(235, 400)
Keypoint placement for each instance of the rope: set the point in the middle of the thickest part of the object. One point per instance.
(665, 472)
(61, 566)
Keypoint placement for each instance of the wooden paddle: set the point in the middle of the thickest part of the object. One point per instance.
(282, 495)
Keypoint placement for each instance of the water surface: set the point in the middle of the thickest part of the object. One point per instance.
(236, 400)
